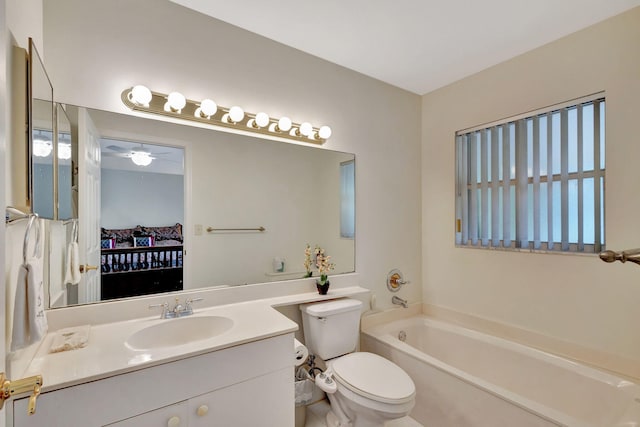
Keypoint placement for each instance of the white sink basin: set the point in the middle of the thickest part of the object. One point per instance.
(175, 332)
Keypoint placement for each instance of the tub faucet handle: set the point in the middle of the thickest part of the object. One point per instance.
(395, 279)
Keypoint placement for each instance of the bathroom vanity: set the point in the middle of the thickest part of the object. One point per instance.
(201, 382)
(228, 365)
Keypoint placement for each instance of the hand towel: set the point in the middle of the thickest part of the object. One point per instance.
(72, 270)
(29, 319)
(35, 301)
(20, 333)
(70, 339)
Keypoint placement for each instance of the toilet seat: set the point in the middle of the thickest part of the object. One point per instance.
(373, 377)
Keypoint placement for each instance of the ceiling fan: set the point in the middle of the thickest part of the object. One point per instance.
(140, 155)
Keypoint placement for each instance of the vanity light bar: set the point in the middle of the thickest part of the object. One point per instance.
(140, 98)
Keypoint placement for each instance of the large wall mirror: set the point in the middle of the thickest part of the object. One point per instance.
(220, 210)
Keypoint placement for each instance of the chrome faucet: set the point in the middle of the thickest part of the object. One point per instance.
(178, 310)
(399, 301)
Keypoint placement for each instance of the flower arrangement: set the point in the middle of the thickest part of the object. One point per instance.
(307, 261)
(323, 264)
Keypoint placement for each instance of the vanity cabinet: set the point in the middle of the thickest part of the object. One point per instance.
(173, 416)
(245, 385)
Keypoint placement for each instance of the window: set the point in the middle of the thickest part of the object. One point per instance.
(535, 181)
(347, 199)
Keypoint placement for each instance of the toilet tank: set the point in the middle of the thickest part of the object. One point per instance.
(331, 328)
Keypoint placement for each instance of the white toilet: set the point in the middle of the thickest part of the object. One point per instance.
(364, 389)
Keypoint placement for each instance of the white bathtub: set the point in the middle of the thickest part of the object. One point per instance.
(466, 378)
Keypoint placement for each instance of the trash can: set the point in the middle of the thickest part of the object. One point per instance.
(304, 393)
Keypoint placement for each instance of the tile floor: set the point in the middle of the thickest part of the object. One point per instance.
(317, 412)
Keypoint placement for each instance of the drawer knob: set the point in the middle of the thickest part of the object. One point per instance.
(202, 410)
(173, 422)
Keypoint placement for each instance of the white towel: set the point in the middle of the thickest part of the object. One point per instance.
(70, 339)
(29, 319)
(72, 270)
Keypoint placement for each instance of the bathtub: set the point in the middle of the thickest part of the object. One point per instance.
(466, 378)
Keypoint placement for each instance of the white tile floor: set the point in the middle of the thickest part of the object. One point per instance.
(316, 414)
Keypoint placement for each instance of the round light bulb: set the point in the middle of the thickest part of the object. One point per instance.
(207, 108)
(140, 95)
(64, 151)
(176, 101)
(284, 124)
(141, 158)
(306, 129)
(262, 120)
(236, 114)
(324, 132)
(42, 148)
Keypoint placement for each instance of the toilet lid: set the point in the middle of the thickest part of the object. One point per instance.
(374, 376)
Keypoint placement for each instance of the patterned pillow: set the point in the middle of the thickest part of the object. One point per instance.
(142, 241)
(108, 243)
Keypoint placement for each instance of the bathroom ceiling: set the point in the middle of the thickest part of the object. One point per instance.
(417, 45)
(116, 154)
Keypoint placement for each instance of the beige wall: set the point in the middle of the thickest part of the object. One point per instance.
(95, 49)
(576, 299)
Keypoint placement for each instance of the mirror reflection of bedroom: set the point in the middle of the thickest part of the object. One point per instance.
(141, 245)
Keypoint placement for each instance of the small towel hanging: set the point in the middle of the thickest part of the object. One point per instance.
(36, 247)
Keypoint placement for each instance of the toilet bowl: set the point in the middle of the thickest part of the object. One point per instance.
(370, 390)
(364, 389)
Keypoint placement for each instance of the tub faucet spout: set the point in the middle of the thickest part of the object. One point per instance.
(399, 301)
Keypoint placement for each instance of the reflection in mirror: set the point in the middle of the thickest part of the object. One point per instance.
(141, 245)
(41, 138)
(67, 167)
(296, 192)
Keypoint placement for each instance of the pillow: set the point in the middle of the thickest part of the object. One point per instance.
(142, 241)
(107, 243)
(173, 232)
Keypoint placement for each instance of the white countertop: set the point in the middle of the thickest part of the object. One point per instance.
(106, 353)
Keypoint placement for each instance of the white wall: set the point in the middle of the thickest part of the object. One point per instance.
(576, 299)
(96, 49)
(132, 198)
(4, 136)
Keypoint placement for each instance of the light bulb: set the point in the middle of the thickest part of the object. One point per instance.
(284, 124)
(236, 114)
(324, 132)
(175, 102)
(42, 148)
(261, 120)
(206, 109)
(140, 95)
(141, 158)
(64, 151)
(306, 129)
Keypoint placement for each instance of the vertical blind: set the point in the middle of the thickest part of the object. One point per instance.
(535, 181)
